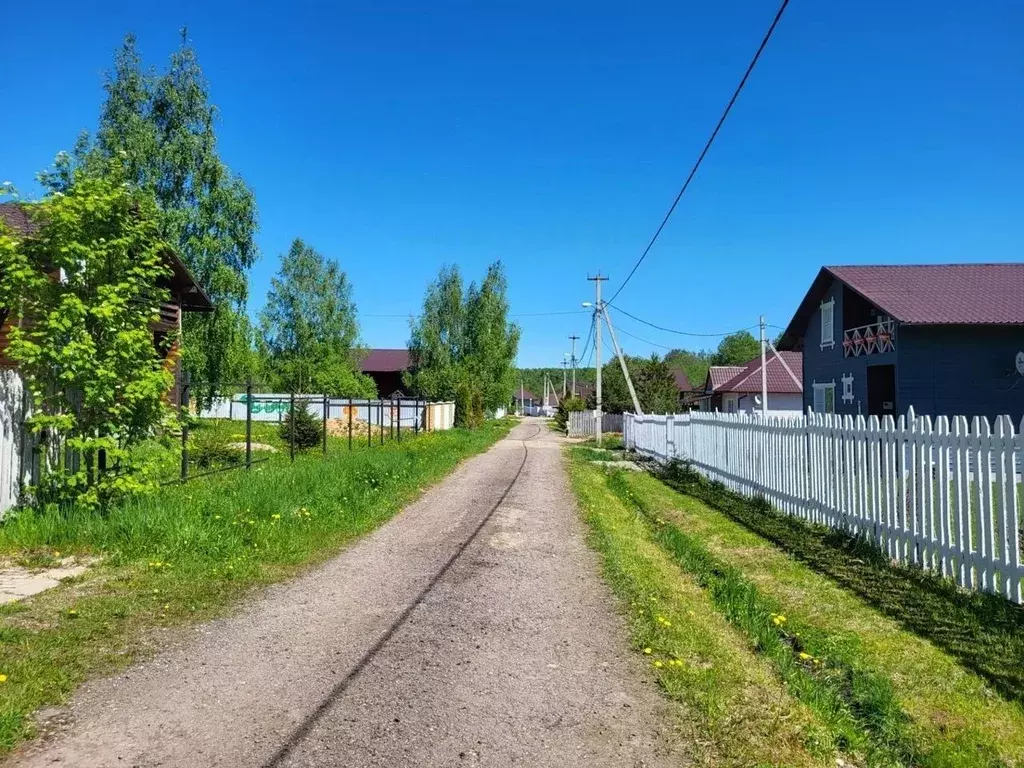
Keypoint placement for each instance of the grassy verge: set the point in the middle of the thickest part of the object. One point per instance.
(914, 701)
(736, 711)
(185, 553)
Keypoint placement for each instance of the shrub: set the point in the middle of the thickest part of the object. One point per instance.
(210, 451)
(308, 430)
(565, 406)
(469, 407)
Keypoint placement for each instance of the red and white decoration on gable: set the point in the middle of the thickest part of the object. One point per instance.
(870, 339)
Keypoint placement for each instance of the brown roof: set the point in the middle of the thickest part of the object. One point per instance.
(15, 217)
(942, 294)
(193, 297)
(777, 377)
(720, 374)
(525, 395)
(385, 361)
(925, 294)
(682, 381)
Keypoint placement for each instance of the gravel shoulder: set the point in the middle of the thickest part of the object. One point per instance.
(472, 629)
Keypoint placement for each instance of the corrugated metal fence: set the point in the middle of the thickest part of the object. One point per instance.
(945, 495)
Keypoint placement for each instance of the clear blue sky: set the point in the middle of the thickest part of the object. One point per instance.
(554, 136)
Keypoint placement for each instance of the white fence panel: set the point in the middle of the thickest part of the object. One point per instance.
(584, 423)
(943, 494)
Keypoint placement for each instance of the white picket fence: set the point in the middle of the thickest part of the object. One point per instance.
(584, 423)
(945, 495)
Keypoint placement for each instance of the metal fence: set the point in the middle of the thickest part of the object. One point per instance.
(584, 423)
(351, 422)
(944, 495)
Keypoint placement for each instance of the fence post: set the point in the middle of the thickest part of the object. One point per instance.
(248, 424)
(416, 416)
(291, 426)
(391, 413)
(186, 383)
(369, 424)
(327, 405)
(350, 423)
(399, 419)
(380, 419)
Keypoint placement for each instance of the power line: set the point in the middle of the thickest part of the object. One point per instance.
(514, 314)
(622, 330)
(707, 146)
(680, 333)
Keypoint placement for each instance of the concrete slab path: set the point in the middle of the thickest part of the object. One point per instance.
(473, 629)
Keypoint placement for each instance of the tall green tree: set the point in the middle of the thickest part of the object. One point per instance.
(736, 349)
(310, 328)
(694, 364)
(463, 346)
(161, 128)
(87, 354)
(652, 379)
(491, 342)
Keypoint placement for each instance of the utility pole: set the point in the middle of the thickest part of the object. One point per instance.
(764, 372)
(565, 365)
(622, 363)
(598, 309)
(573, 338)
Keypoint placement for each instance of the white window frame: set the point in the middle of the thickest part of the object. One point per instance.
(828, 341)
(732, 400)
(824, 388)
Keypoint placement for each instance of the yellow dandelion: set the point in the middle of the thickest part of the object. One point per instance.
(72, 612)
(804, 656)
(216, 517)
(56, 554)
(3, 678)
(275, 517)
(658, 664)
(648, 651)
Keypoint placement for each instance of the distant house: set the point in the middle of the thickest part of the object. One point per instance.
(186, 295)
(385, 367)
(684, 388)
(737, 388)
(941, 338)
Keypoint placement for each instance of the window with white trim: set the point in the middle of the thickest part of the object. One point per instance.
(824, 397)
(828, 330)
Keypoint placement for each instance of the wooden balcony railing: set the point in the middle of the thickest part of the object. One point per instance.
(870, 339)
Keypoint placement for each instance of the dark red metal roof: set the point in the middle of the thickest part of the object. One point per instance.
(778, 379)
(942, 294)
(385, 361)
(923, 294)
(15, 217)
(720, 374)
(682, 380)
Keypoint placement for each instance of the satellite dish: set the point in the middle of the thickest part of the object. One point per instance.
(1020, 363)
(757, 398)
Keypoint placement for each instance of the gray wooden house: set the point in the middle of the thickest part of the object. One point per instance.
(943, 338)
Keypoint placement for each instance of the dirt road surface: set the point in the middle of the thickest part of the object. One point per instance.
(473, 629)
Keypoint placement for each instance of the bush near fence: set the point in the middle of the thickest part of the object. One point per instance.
(943, 495)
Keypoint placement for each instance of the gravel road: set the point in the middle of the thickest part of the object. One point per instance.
(473, 629)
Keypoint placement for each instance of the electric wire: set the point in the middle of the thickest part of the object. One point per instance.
(673, 330)
(707, 146)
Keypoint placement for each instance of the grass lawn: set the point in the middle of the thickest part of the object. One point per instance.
(184, 553)
(901, 666)
(736, 709)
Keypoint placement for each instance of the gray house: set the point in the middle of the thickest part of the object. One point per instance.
(943, 338)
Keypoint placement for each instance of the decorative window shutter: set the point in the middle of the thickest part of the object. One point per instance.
(828, 334)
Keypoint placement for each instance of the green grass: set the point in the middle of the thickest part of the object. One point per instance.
(731, 705)
(949, 661)
(184, 553)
